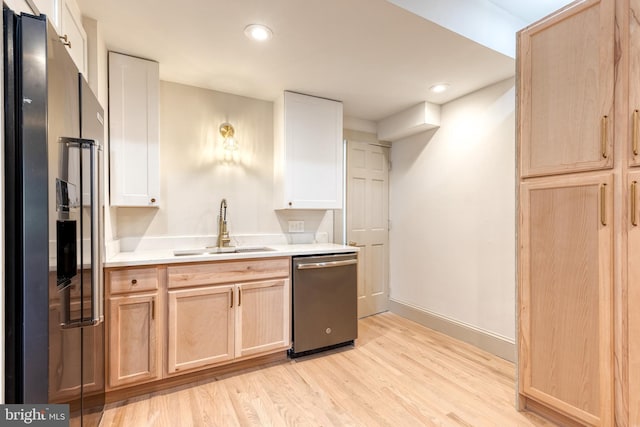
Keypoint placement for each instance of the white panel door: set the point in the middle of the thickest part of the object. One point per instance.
(368, 222)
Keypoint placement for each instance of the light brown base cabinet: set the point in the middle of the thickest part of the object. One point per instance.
(578, 131)
(168, 320)
(134, 323)
(262, 321)
(213, 324)
(201, 327)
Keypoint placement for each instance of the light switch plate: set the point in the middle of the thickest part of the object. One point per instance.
(296, 226)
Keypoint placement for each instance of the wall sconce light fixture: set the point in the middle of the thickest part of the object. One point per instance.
(227, 131)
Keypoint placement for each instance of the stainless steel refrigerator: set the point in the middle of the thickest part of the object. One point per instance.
(54, 336)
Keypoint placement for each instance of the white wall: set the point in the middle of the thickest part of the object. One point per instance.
(452, 199)
(195, 175)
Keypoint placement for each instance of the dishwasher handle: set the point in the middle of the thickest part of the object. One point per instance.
(327, 264)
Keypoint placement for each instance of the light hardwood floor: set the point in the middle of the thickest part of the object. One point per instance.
(398, 374)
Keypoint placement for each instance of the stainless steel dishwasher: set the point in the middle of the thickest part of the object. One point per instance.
(325, 302)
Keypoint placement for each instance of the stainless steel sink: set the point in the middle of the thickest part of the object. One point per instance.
(188, 252)
(217, 251)
(246, 250)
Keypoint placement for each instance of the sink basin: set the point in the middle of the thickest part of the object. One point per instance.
(187, 252)
(247, 250)
(216, 250)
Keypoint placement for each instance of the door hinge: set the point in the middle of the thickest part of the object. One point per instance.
(390, 165)
(388, 225)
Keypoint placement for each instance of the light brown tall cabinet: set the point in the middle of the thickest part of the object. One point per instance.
(578, 234)
(566, 295)
(566, 91)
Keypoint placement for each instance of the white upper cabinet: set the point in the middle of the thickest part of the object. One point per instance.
(308, 152)
(19, 6)
(52, 9)
(134, 129)
(66, 18)
(73, 35)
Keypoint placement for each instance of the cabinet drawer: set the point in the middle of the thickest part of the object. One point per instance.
(133, 280)
(227, 272)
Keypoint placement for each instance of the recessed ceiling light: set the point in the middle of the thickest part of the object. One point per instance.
(439, 88)
(258, 32)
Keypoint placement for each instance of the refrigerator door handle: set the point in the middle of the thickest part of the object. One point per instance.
(78, 142)
(96, 311)
(97, 314)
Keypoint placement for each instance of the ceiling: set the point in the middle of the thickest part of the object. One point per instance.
(374, 56)
(530, 11)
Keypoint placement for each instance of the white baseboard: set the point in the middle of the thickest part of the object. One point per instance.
(493, 344)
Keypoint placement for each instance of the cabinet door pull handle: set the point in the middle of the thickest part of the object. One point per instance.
(603, 136)
(231, 290)
(634, 195)
(239, 297)
(603, 204)
(134, 281)
(153, 309)
(65, 41)
(634, 137)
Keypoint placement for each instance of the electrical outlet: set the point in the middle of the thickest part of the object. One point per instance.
(296, 226)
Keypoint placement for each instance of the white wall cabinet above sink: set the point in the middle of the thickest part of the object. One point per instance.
(134, 131)
(308, 152)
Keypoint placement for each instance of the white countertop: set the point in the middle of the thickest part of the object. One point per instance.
(166, 256)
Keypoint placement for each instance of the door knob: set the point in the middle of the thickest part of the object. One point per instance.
(352, 243)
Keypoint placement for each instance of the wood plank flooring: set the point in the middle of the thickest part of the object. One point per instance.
(398, 374)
